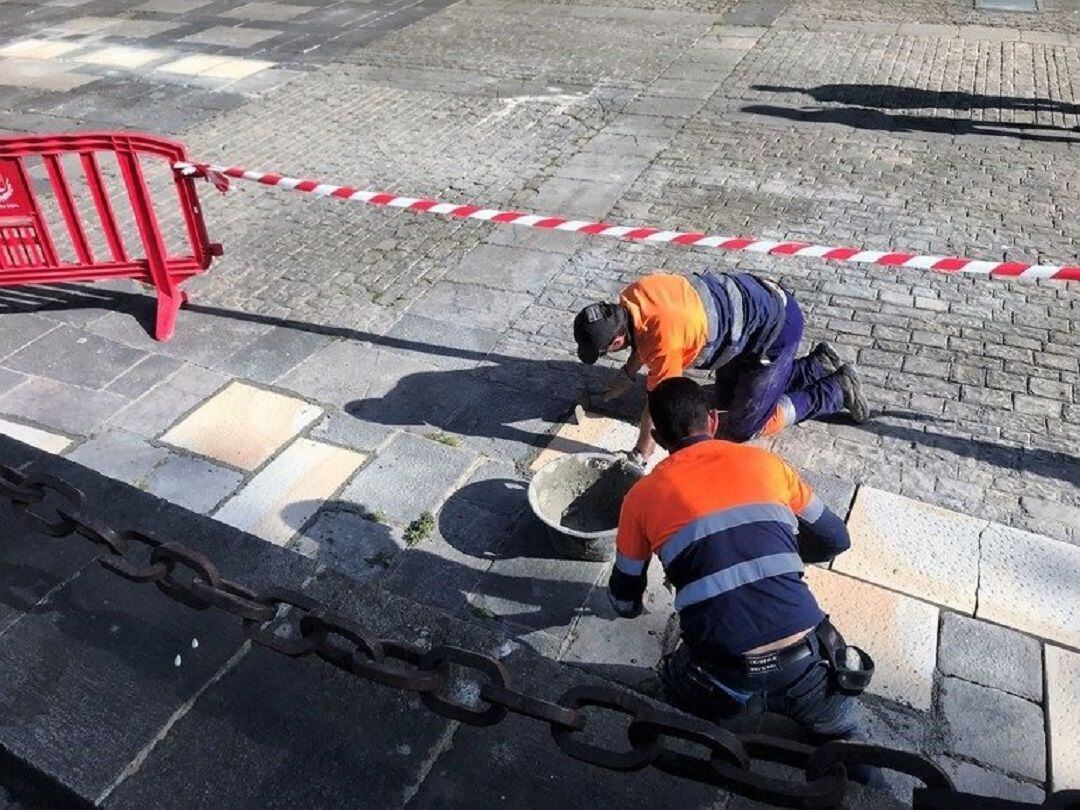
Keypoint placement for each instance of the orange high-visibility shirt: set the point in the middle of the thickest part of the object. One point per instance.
(669, 321)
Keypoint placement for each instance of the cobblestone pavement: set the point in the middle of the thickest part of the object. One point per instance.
(371, 387)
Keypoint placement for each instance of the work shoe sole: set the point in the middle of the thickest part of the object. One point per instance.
(854, 400)
(827, 356)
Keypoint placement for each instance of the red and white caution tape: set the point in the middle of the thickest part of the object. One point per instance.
(938, 264)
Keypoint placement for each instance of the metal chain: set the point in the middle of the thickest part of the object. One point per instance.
(296, 625)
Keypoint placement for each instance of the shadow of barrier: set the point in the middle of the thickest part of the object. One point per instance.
(95, 206)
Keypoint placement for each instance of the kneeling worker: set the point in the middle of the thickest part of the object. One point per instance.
(733, 526)
(742, 327)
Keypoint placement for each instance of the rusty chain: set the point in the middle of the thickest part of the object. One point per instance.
(307, 627)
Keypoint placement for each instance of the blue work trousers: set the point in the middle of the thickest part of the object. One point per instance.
(763, 398)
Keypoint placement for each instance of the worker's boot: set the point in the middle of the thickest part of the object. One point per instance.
(854, 401)
(827, 356)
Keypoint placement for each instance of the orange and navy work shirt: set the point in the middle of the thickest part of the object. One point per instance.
(670, 325)
(723, 519)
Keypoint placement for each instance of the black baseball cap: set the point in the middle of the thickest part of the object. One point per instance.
(594, 329)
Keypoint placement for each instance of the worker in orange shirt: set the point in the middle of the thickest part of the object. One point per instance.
(734, 527)
(743, 328)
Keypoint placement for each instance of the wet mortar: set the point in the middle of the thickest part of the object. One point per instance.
(587, 497)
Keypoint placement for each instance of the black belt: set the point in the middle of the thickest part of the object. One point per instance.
(761, 663)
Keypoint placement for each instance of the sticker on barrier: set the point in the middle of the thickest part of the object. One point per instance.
(94, 206)
(219, 176)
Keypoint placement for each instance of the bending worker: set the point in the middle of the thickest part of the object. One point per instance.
(722, 518)
(742, 327)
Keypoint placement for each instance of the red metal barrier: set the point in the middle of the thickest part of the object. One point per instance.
(124, 238)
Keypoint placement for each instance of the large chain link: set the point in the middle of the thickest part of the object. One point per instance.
(296, 625)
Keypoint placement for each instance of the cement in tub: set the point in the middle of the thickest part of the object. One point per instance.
(578, 497)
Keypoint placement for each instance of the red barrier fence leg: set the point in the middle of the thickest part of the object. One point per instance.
(34, 249)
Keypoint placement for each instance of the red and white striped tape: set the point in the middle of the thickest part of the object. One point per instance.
(939, 264)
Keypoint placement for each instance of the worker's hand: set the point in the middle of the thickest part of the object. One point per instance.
(633, 460)
(621, 382)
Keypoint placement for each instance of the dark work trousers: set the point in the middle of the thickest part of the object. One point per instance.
(802, 691)
(763, 399)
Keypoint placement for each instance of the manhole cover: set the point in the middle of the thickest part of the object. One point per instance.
(1006, 5)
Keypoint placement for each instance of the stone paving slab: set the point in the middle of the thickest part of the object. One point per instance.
(90, 675)
(288, 491)
(42, 439)
(242, 426)
(984, 782)
(120, 455)
(899, 632)
(193, 483)
(152, 413)
(409, 476)
(1029, 582)
(74, 356)
(50, 403)
(623, 650)
(1062, 696)
(994, 727)
(914, 547)
(991, 656)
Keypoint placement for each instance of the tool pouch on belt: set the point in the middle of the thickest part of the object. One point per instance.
(851, 668)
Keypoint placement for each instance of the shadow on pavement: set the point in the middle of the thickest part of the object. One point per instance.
(870, 119)
(894, 97)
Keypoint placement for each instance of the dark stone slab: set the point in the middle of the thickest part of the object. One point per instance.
(836, 492)
(52, 403)
(139, 379)
(432, 341)
(343, 429)
(273, 354)
(755, 12)
(200, 337)
(89, 676)
(9, 379)
(409, 476)
(532, 586)
(506, 423)
(19, 328)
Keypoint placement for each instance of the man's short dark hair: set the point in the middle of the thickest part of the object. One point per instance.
(679, 409)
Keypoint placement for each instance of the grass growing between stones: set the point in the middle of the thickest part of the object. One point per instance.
(444, 438)
(482, 612)
(375, 515)
(420, 529)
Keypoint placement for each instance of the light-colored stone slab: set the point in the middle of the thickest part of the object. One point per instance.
(234, 37)
(142, 29)
(591, 435)
(273, 12)
(194, 65)
(40, 74)
(242, 426)
(120, 56)
(81, 26)
(1062, 702)
(994, 728)
(35, 437)
(914, 547)
(238, 68)
(278, 501)
(38, 48)
(173, 6)
(1030, 582)
(900, 633)
(991, 655)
